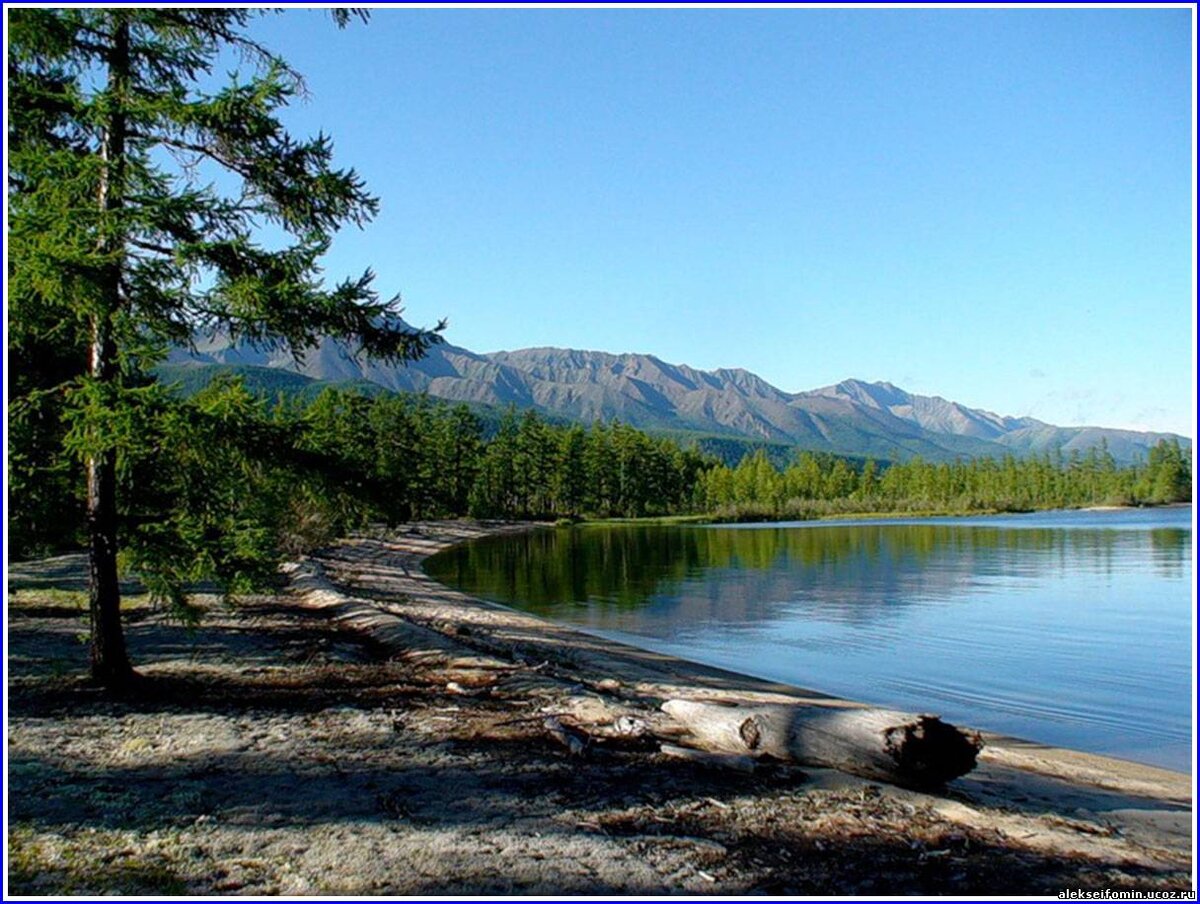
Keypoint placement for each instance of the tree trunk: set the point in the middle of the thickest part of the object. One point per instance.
(110, 662)
(903, 748)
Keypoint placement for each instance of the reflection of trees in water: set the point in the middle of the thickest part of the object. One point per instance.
(842, 572)
(1172, 550)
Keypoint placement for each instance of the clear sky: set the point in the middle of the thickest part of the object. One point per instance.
(994, 206)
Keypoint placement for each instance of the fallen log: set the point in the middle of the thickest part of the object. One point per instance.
(709, 760)
(397, 637)
(902, 748)
(625, 733)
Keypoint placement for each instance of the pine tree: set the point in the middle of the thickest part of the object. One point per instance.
(458, 443)
(571, 473)
(121, 242)
(495, 493)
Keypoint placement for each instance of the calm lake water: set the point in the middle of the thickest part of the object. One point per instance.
(1071, 628)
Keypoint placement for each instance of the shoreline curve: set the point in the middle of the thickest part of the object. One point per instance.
(1025, 780)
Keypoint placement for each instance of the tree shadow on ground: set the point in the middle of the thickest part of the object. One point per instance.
(360, 759)
(635, 803)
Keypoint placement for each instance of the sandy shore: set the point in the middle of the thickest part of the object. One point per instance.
(374, 732)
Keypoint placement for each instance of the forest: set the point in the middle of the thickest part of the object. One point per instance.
(817, 485)
(227, 481)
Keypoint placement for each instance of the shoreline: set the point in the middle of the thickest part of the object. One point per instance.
(1010, 769)
(1173, 754)
(714, 520)
(370, 731)
(755, 685)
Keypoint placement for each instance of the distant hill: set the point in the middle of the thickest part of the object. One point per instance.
(272, 383)
(852, 418)
(266, 382)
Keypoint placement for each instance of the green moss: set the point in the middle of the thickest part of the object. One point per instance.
(92, 862)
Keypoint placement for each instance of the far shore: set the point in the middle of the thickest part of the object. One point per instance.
(717, 519)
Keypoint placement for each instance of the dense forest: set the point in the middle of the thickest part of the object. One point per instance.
(532, 470)
(816, 485)
(244, 479)
(410, 458)
(226, 463)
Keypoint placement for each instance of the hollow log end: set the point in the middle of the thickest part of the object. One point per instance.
(929, 752)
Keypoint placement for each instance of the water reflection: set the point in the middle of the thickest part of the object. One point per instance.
(862, 571)
(1172, 551)
(1073, 628)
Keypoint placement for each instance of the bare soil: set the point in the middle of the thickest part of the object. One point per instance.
(277, 749)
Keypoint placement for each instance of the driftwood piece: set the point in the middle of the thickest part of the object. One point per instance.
(575, 742)
(710, 760)
(599, 715)
(399, 638)
(601, 726)
(907, 749)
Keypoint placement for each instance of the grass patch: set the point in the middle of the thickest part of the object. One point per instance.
(89, 862)
(655, 519)
(48, 597)
(922, 513)
(53, 601)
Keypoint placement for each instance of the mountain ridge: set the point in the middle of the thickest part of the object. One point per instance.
(852, 417)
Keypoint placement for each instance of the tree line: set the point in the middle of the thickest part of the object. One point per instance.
(816, 484)
(227, 482)
(311, 469)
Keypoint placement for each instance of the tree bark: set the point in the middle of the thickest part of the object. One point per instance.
(110, 661)
(903, 748)
(709, 760)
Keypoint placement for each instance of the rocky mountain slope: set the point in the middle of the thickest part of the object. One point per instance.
(852, 417)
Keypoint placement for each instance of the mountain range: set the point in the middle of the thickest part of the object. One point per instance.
(853, 417)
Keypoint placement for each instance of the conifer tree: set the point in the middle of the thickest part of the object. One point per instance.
(136, 196)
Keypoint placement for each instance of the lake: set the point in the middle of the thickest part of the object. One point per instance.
(1069, 628)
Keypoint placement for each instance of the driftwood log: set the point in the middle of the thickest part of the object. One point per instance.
(897, 747)
(709, 760)
(906, 749)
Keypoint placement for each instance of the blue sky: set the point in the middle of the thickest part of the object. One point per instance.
(990, 205)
